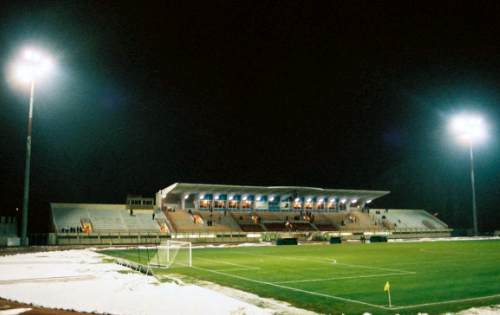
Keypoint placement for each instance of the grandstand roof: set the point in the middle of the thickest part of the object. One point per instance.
(179, 188)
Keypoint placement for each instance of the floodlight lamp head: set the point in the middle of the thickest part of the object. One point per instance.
(469, 128)
(31, 65)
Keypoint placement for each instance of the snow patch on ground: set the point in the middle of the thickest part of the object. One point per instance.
(278, 307)
(80, 280)
(15, 311)
(487, 310)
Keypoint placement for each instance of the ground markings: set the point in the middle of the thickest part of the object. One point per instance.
(398, 272)
(344, 278)
(339, 298)
(241, 267)
(447, 302)
(332, 261)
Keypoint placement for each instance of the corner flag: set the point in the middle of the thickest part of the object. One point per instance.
(387, 286)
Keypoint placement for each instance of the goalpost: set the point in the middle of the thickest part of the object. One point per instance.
(172, 254)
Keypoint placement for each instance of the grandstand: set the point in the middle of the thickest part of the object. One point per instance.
(406, 219)
(240, 213)
(105, 218)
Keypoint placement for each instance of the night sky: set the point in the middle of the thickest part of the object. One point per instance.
(337, 94)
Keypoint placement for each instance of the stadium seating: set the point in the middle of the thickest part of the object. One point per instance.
(401, 219)
(103, 218)
(75, 218)
(201, 222)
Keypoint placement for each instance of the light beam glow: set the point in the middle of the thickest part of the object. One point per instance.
(32, 64)
(469, 128)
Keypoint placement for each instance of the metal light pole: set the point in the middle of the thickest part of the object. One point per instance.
(472, 182)
(29, 67)
(27, 168)
(470, 130)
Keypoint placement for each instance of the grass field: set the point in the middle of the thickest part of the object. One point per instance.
(432, 277)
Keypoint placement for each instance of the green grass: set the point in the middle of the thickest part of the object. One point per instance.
(432, 277)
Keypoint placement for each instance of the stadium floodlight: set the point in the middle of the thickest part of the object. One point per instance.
(343, 200)
(186, 196)
(369, 201)
(354, 200)
(271, 198)
(202, 196)
(216, 197)
(470, 129)
(31, 65)
(230, 197)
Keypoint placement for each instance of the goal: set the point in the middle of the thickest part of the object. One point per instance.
(172, 254)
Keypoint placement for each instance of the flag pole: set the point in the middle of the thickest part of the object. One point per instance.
(389, 296)
(387, 288)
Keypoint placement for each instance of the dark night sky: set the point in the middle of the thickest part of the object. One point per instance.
(339, 94)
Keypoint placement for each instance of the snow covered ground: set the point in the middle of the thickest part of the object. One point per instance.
(79, 280)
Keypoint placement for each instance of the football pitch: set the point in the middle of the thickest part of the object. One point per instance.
(432, 277)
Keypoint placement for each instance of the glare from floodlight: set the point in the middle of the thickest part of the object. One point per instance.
(369, 201)
(469, 128)
(343, 200)
(31, 65)
(271, 198)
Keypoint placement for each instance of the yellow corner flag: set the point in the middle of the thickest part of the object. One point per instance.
(387, 288)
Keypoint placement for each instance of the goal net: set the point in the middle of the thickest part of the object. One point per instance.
(172, 254)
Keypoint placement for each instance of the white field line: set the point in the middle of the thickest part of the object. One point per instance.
(228, 263)
(377, 268)
(293, 289)
(446, 302)
(331, 261)
(347, 299)
(334, 297)
(235, 269)
(342, 278)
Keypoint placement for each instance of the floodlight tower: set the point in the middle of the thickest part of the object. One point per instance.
(470, 130)
(30, 66)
